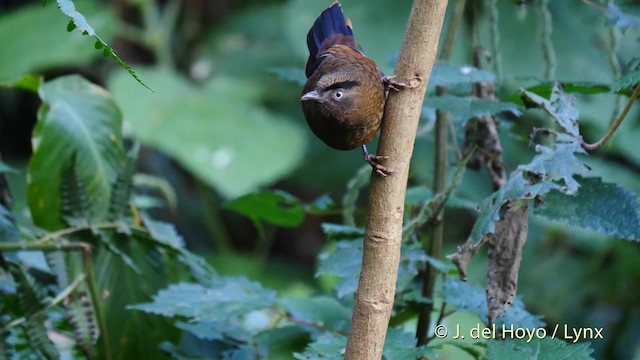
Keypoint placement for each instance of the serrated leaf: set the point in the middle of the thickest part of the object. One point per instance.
(69, 8)
(538, 349)
(553, 168)
(215, 330)
(401, 345)
(77, 119)
(560, 106)
(603, 207)
(322, 310)
(345, 260)
(616, 17)
(163, 232)
(277, 208)
(472, 298)
(464, 108)
(235, 144)
(627, 80)
(452, 74)
(327, 346)
(226, 297)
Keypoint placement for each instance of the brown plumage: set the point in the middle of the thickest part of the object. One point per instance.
(344, 96)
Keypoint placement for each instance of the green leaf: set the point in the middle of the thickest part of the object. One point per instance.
(418, 195)
(163, 232)
(27, 82)
(538, 349)
(320, 205)
(69, 8)
(342, 232)
(560, 106)
(319, 310)
(215, 330)
(277, 208)
(472, 298)
(8, 229)
(234, 144)
(452, 74)
(31, 299)
(80, 22)
(626, 81)
(77, 119)
(49, 45)
(401, 345)
(327, 346)
(225, 298)
(553, 168)
(345, 260)
(603, 207)
(464, 108)
(544, 89)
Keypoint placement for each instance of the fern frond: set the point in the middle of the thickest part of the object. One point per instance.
(31, 301)
(122, 188)
(78, 306)
(76, 209)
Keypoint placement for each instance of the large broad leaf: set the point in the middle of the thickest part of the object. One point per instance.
(603, 207)
(78, 123)
(278, 208)
(35, 38)
(218, 131)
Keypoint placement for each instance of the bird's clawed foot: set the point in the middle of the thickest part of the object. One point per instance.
(374, 161)
(392, 83)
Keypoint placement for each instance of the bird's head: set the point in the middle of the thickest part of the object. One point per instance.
(335, 93)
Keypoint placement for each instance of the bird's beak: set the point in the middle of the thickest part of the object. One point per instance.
(311, 95)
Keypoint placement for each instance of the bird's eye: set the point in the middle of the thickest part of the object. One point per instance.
(338, 94)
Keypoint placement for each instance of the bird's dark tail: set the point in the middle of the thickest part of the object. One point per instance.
(330, 28)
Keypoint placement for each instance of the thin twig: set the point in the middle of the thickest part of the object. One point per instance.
(597, 145)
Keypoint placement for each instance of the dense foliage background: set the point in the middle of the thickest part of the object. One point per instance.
(217, 146)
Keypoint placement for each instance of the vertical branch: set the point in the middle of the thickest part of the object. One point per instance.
(434, 246)
(614, 43)
(383, 234)
(494, 31)
(545, 39)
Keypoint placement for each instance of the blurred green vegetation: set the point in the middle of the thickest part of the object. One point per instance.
(224, 120)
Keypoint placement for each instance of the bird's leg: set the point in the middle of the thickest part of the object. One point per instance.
(373, 160)
(392, 83)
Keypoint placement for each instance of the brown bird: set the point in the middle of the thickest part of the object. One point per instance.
(344, 96)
